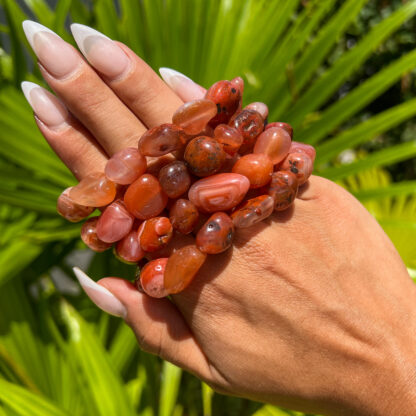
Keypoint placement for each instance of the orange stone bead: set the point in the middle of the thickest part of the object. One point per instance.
(152, 278)
(182, 267)
(155, 233)
(95, 190)
(258, 168)
(238, 83)
(253, 211)
(145, 198)
(250, 124)
(174, 179)
(177, 241)
(283, 189)
(300, 164)
(229, 137)
(297, 147)
(275, 143)
(128, 249)
(284, 126)
(193, 116)
(71, 211)
(183, 216)
(261, 108)
(90, 238)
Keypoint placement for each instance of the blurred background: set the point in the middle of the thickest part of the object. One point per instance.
(342, 72)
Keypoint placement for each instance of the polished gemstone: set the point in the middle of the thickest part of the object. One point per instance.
(155, 233)
(152, 278)
(297, 147)
(229, 137)
(183, 216)
(261, 108)
(128, 249)
(70, 210)
(90, 238)
(250, 124)
(275, 143)
(284, 126)
(174, 179)
(283, 189)
(300, 164)
(253, 211)
(258, 168)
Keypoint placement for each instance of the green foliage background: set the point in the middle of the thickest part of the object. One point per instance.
(342, 72)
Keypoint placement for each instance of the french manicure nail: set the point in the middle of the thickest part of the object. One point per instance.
(101, 296)
(102, 53)
(181, 84)
(58, 57)
(46, 106)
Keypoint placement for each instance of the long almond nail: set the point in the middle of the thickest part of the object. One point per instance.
(102, 53)
(46, 106)
(59, 58)
(101, 296)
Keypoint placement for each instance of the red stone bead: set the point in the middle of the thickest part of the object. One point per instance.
(152, 278)
(125, 166)
(114, 223)
(253, 211)
(219, 192)
(204, 156)
(129, 249)
(250, 124)
(193, 116)
(183, 216)
(95, 190)
(182, 267)
(70, 210)
(275, 143)
(258, 168)
(238, 83)
(216, 235)
(155, 164)
(261, 108)
(90, 238)
(145, 198)
(177, 241)
(162, 139)
(229, 137)
(284, 126)
(297, 147)
(283, 189)
(226, 97)
(174, 179)
(155, 233)
(300, 164)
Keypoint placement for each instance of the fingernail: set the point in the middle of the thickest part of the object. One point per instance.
(181, 84)
(101, 296)
(46, 106)
(58, 57)
(102, 53)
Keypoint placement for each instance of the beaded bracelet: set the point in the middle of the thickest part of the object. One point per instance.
(182, 193)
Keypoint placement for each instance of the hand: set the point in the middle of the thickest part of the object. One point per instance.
(313, 310)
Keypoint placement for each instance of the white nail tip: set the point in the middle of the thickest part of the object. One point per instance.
(101, 296)
(31, 28)
(27, 88)
(168, 73)
(81, 32)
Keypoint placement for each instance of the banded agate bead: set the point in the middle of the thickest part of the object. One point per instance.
(258, 168)
(297, 147)
(300, 164)
(275, 143)
(182, 267)
(253, 211)
(219, 192)
(250, 124)
(229, 138)
(90, 238)
(284, 126)
(125, 166)
(155, 233)
(184, 216)
(71, 211)
(174, 179)
(128, 249)
(283, 189)
(152, 278)
(261, 108)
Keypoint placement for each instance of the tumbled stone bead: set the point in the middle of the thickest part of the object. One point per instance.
(90, 238)
(128, 249)
(219, 192)
(258, 168)
(155, 233)
(174, 179)
(275, 143)
(152, 278)
(177, 241)
(300, 164)
(216, 235)
(229, 137)
(155, 164)
(163, 139)
(253, 211)
(182, 267)
(71, 211)
(145, 198)
(238, 82)
(226, 97)
(284, 126)
(125, 166)
(184, 216)
(114, 223)
(95, 190)
(250, 124)
(297, 147)
(261, 108)
(193, 116)
(204, 156)
(229, 163)
(283, 189)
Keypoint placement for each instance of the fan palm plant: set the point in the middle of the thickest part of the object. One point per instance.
(58, 354)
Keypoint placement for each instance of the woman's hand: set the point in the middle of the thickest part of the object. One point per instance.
(313, 310)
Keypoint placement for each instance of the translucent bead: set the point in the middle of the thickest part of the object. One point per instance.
(144, 198)
(219, 192)
(155, 233)
(115, 222)
(204, 156)
(253, 211)
(229, 137)
(250, 124)
(183, 216)
(258, 168)
(284, 126)
(182, 267)
(90, 238)
(283, 189)
(125, 166)
(162, 139)
(129, 249)
(261, 108)
(238, 82)
(174, 179)
(193, 116)
(275, 143)
(152, 278)
(70, 210)
(300, 164)
(216, 235)
(95, 190)
(297, 147)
